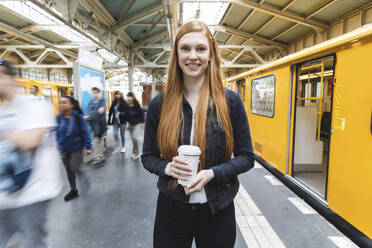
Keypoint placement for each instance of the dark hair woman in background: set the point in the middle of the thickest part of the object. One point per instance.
(117, 118)
(136, 119)
(72, 138)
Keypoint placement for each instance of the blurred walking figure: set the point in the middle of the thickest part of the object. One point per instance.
(26, 125)
(34, 90)
(72, 138)
(96, 117)
(117, 118)
(136, 119)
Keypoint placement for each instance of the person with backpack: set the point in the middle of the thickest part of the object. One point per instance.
(28, 147)
(136, 119)
(96, 117)
(117, 118)
(72, 137)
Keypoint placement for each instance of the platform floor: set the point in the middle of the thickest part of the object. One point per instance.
(119, 211)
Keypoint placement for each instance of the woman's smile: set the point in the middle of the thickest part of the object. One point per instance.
(193, 54)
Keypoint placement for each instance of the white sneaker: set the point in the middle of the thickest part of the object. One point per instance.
(135, 157)
(123, 150)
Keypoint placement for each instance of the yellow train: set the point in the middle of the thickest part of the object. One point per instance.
(311, 124)
(53, 91)
(50, 91)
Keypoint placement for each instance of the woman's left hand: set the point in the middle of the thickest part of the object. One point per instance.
(201, 179)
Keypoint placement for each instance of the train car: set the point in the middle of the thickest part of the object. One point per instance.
(311, 123)
(50, 91)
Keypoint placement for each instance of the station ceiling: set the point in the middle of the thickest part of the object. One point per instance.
(140, 32)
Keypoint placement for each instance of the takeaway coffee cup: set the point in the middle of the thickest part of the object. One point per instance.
(189, 154)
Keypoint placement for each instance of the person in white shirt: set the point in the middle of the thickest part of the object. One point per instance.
(28, 124)
(34, 91)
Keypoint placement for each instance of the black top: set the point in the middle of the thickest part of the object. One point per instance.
(122, 108)
(135, 115)
(222, 189)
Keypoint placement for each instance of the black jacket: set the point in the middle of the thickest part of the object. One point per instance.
(222, 189)
(135, 115)
(123, 109)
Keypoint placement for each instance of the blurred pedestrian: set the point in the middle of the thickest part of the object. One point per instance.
(96, 117)
(34, 91)
(72, 137)
(117, 118)
(28, 125)
(196, 110)
(136, 120)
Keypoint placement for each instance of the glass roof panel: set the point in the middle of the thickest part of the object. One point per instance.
(37, 15)
(209, 13)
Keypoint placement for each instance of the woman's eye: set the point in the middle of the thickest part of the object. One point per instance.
(184, 48)
(202, 49)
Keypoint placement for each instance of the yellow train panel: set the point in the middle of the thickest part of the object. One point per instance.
(349, 183)
(262, 127)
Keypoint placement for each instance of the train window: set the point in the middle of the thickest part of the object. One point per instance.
(263, 96)
(47, 93)
(58, 77)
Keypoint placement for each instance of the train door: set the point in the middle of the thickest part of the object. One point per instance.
(312, 124)
(240, 85)
(62, 91)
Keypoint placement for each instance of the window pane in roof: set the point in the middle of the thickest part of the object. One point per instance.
(122, 62)
(209, 13)
(107, 55)
(35, 14)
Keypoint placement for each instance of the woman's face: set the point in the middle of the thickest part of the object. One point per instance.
(130, 99)
(65, 104)
(118, 96)
(193, 54)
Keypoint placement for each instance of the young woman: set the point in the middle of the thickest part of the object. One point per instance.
(136, 119)
(72, 138)
(196, 109)
(117, 118)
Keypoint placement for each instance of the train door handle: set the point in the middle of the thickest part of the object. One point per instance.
(371, 123)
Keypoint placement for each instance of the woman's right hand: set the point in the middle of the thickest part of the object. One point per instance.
(178, 169)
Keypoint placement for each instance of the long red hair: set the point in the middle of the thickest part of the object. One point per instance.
(212, 91)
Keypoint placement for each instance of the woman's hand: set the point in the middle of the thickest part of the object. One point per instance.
(178, 169)
(88, 152)
(201, 179)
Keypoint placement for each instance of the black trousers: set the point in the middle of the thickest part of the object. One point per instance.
(73, 162)
(177, 224)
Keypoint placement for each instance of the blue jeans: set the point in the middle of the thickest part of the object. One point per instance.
(116, 127)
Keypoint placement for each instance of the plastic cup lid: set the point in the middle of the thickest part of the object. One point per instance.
(189, 150)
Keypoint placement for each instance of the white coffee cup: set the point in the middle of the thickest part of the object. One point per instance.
(189, 154)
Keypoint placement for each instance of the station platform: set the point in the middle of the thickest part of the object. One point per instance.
(119, 211)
